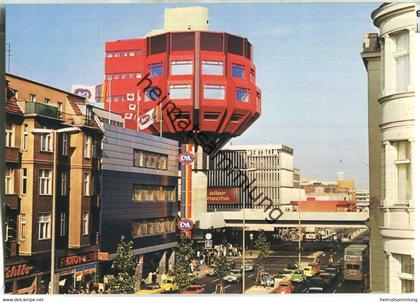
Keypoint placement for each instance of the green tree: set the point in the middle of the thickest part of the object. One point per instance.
(124, 266)
(184, 256)
(263, 247)
(222, 267)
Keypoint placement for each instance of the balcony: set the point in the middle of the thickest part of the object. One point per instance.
(41, 109)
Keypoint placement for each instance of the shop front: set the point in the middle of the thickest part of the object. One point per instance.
(76, 272)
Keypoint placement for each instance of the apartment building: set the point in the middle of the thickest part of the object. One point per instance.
(138, 199)
(389, 60)
(42, 165)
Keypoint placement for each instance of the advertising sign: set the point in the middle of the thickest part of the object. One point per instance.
(186, 158)
(185, 225)
(208, 244)
(222, 196)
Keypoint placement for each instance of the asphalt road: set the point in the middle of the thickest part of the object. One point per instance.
(279, 260)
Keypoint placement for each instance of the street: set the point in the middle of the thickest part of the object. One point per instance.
(279, 260)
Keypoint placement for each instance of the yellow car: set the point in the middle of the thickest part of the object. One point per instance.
(150, 289)
(309, 271)
(169, 285)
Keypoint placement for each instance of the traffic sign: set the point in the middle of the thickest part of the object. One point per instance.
(208, 244)
(208, 236)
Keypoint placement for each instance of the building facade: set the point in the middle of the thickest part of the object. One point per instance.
(138, 199)
(33, 179)
(389, 61)
(269, 172)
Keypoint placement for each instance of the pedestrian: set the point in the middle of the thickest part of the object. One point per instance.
(142, 284)
(154, 278)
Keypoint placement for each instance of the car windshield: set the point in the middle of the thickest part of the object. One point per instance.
(284, 285)
(192, 288)
(235, 271)
(151, 287)
(308, 268)
(167, 281)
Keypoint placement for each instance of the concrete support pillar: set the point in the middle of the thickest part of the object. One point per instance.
(162, 267)
(199, 185)
(171, 262)
(139, 272)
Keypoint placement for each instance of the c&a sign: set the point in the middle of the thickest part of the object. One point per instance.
(72, 260)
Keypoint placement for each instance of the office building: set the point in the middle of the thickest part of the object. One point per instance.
(138, 199)
(389, 60)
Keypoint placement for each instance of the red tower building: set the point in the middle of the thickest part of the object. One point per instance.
(208, 76)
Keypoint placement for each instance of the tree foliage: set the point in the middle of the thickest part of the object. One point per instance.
(124, 266)
(222, 267)
(263, 246)
(184, 256)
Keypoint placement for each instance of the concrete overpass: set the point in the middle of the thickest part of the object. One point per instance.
(258, 219)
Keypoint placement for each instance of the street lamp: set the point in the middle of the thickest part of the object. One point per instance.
(243, 232)
(40, 131)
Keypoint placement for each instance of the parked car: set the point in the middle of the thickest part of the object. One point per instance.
(286, 274)
(249, 267)
(267, 280)
(150, 289)
(309, 271)
(210, 272)
(169, 285)
(298, 276)
(234, 276)
(315, 290)
(285, 287)
(316, 282)
(193, 290)
(327, 278)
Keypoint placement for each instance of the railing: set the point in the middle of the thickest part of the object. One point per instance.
(41, 109)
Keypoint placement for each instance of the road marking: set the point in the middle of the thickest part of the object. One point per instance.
(215, 280)
(203, 284)
(304, 290)
(334, 291)
(339, 285)
(250, 275)
(228, 286)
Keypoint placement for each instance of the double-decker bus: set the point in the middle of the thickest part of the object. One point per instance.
(356, 262)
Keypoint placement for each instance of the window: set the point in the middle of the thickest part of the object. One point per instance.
(131, 53)
(407, 264)
(407, 286)
(156, 70)
(109, 54)
(212, 67)
(403, 172)
(138, 75)
(179, 92)
(183, 41)
(181, 67)
(131, 75)
(32, 98)
(94, 150)
(46, 142)
(402, 61)
(60, 107)
(116, 98)
(22, 227)
(87, 146)
(242, 95)
(116, 54)
(44, 226)
(86, 184)
(47, 101)
(85, 223)
(150, 227)
(123, 76)
(139, 52)
(44, 182)
(9, 181)
(151, 160)
(10, 137)
(65, 144)
(153, 193)
(124, 53)
(237, 71)
(151, 94)
(116, 76)
(62, 224)
(109, 77)
(214, 92)
(24, 181)
(63, 184)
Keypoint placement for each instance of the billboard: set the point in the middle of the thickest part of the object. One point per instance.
(222, 196)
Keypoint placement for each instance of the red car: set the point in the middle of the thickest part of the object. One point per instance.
(193, 290)
(285, 287)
